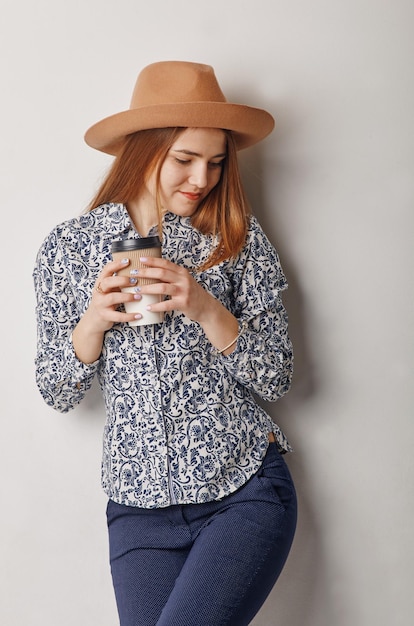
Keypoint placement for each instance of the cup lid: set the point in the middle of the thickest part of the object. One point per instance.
(140, 243)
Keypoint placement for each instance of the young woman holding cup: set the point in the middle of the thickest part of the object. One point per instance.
(202, 508)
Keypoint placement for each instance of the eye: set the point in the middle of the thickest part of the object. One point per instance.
(216, 164)
(182, 161)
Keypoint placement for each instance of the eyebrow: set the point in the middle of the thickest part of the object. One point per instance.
(190, 153)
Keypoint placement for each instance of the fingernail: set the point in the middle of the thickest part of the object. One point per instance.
(137, 289)
(148, 307)
(125, 261)
(134, 272)
(137, 316)
(144, 259)
(132, 281)
(137, 296)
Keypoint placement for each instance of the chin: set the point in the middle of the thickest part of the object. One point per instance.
(184, 212)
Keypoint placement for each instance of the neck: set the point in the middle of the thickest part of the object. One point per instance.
(143, 213)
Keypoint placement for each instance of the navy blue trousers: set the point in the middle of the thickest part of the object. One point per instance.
(209, 564)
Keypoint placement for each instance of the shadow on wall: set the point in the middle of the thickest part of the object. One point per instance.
(300, 596)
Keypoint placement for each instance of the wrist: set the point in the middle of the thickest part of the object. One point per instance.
(220, 326)
(226, 349)
(87, 340)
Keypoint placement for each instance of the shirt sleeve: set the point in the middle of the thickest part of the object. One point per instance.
(263, 358)
(61, 378)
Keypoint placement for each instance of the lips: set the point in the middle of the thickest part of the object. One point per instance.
(191, 196)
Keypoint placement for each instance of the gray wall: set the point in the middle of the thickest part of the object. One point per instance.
(333, 188)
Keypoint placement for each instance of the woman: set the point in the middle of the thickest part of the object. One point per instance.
(202, 508)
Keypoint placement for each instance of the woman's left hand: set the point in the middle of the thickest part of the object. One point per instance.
(182, 291)
(185, 294)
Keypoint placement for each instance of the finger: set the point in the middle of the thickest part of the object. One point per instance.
(120, 317)
(109, 279)
(158, 288)
(155, 261)
(112, 267)
(113, 299)
(167, 274)
(161, 263)
(165, 306)
(115, 283)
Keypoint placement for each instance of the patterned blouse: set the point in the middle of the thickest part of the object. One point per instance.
(182, 425)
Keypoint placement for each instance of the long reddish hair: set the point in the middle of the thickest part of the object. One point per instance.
(223, 213)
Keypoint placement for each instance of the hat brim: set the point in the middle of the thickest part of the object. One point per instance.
(248, 124)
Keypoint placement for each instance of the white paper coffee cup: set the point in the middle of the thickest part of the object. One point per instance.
(134, 249)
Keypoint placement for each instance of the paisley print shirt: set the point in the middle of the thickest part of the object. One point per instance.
(182, 425)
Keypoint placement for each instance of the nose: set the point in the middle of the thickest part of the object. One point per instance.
(198, 175)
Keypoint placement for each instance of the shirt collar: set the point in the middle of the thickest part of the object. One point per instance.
(115, 218)
(117, 221)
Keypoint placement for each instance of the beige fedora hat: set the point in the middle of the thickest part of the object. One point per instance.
(179, 93)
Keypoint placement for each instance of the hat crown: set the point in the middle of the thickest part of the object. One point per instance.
(169, 82)
(179, 94)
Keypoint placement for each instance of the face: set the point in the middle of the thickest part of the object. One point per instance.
(191, 169)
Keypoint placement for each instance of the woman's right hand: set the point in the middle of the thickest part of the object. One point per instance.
(103, 311)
